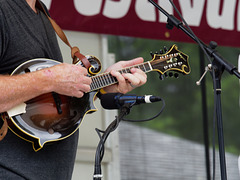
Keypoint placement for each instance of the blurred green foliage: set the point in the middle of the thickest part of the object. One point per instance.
(182, 115)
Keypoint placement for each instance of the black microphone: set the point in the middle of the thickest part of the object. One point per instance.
(117, 100)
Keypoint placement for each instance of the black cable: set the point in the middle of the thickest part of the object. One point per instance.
(100, 148)
(144, 120)
(125, 109)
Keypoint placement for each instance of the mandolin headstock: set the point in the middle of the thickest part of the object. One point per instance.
(171, 62)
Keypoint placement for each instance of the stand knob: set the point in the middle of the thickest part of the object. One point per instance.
(213, 45)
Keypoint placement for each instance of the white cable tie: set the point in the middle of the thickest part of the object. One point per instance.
(97, 175)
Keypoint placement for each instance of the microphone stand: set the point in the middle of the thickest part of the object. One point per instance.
(219, 64)
(125, 109)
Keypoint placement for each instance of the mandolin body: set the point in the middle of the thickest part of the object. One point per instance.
(49, 117)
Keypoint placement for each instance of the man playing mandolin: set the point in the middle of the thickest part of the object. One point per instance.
(26, 33)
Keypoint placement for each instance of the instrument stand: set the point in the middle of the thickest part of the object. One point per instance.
(219, 64)
(218, 70)
(125, 109)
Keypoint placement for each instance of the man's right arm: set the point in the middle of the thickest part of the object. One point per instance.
(66, 79)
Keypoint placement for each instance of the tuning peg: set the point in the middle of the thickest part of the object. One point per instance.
(165, 49)
(160, 51)
(176, 75)
(170, 74)
(152, 54)
(161, 76)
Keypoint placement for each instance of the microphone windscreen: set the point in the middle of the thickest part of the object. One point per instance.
(108, 101)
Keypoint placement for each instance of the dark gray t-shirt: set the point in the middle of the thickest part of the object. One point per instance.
(25, 35)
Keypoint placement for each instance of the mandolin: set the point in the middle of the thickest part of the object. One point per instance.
(52, 117)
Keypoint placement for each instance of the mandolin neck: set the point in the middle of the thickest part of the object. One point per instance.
(162, 63)
(106, 79)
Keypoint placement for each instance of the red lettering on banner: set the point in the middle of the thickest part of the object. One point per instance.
(217, 20)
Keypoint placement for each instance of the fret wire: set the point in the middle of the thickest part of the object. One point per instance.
(140, 67)
(144, 69)
(107, 79)
(98, 82)
(102, 81)
(111, 78)
(149, 65)
(146, 66)
(114, 80)
(93, 84)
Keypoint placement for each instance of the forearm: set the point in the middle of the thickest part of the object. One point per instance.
(20, 88)
(65, 79)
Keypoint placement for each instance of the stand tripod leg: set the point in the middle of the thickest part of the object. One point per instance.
(218, 73)
(221, 137)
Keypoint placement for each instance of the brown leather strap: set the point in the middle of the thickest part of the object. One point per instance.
(75, 52)
(4, 128)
